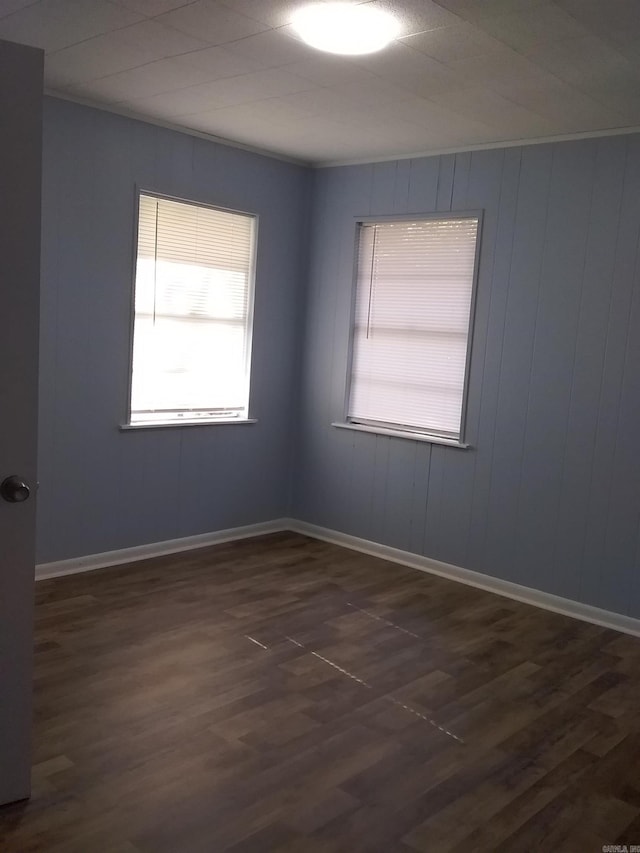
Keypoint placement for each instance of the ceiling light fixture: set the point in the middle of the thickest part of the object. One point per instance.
(345, 28)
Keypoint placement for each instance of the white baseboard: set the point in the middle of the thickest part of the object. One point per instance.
(535, 597)
(156, 549)
(544, 600)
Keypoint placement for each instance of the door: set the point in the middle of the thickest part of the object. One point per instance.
(20, 167)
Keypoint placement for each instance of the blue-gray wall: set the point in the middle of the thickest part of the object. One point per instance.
(103, 489)
(549, 494)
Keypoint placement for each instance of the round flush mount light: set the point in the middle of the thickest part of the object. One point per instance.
(345, 28)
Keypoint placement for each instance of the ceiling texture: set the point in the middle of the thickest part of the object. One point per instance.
(462, 73)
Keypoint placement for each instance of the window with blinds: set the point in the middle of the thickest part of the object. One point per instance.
(193, 312)
(414, 295)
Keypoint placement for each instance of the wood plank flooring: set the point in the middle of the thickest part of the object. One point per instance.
(283, 694)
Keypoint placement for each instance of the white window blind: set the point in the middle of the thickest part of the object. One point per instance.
(193, 307)
(414, 290)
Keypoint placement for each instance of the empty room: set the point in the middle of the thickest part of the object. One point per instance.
(320, 396)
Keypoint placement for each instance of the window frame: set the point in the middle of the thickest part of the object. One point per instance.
(398, 431)
(165, 424)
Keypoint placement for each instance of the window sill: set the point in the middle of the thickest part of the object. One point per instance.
(185, 423)
(399, 433)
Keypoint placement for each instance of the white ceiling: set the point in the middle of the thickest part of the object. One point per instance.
(462, 73)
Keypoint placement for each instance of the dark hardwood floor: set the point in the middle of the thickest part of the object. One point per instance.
(282, 694)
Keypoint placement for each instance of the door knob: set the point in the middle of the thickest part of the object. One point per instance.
(14, 489)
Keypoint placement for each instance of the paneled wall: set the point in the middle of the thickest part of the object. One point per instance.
(103, 489)
(549, 494)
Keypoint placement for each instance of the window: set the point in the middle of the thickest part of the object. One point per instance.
(192, 314)
(413, 306)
